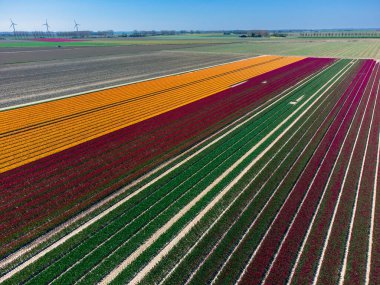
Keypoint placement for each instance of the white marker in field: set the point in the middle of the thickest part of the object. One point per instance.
(237, 84)
(295, 102)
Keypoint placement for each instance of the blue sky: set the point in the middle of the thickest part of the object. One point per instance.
(129, 15)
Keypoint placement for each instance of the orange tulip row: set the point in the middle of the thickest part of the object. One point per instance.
(36, 131)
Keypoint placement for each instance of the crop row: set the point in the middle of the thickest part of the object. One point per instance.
(87, 102)
(257, 187)
(234, 155)
(161, 204)
(373, 154)
(226, 277)
(46, 139)
(94, 160)
(303, 203)
(247, 244)
(125, 275)
(307, 263)
(336, 239)
(286, 196)
(135, 187)
(212, 174)
(357, 250)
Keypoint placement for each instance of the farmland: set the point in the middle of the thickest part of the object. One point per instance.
(34, 74)
(322, 47)
(263, 170)
(34, 70)
(338, 48)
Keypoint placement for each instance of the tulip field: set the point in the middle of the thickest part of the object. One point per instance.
(259, 171)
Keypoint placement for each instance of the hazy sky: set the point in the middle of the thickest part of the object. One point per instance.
(128, 15)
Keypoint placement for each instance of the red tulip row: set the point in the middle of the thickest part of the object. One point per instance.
(138, 136)
(313, 248)
(326, 154)
(226, 259)
(368, 186)
(42, 194)
(136, 131)
(358, 250)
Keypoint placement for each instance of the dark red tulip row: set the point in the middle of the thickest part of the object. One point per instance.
(308, 264)
(375, 268)
(328, 149)
(368, 188)
(339, 234)
(42, 194)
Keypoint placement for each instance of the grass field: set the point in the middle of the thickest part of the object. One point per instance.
(338, 48)
(199, 40)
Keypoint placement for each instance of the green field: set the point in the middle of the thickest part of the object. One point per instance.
(340, 48)
(158, 40)
(36, 44)
(217, 43)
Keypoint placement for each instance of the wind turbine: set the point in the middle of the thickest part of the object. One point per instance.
(76, 25)
(47, 26)
(13, 25)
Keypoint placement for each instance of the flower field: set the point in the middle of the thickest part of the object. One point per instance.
(260, 171)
